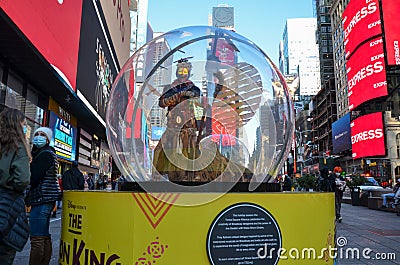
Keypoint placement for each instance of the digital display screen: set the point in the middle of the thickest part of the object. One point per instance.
(366, 73)
(361, 21)
(367, 136)
(391, 11)
(64, 137)
(341, 137)
(53, 27)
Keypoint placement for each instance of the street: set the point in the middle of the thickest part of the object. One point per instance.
(366, 233)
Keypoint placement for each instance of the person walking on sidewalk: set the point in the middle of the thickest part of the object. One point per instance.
(73, 178)
(44, 192)
(14, 179)
(340, 185)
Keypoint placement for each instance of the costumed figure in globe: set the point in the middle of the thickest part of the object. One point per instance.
(178, 156)
(180, 136)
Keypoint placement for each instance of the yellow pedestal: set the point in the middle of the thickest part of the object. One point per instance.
(238, 228)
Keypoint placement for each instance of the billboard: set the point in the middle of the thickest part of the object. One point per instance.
(367, 136)
(391, 10)
(224, 124)
(97, 66)
(53, 27)
(225, 52)
(64, 137)
(366, 73)
(361, 21)
(341, 137)
(157, 132)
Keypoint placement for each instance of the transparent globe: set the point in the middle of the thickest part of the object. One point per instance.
(199, 104)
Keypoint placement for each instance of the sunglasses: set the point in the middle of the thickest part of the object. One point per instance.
(41, 134)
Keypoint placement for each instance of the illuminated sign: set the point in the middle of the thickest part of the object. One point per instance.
(225, 52)
(341, 138)
(367, 136)
(361, 21)
(366, 73)
(391, 10)
(64, 137)
(224, 124)
(53, 27)
(157, 132)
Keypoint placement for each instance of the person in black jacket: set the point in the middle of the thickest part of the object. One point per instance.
(44, 192)
(14, 179)
(73, 178)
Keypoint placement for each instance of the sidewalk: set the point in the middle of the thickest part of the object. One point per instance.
(361, 228)
(364, 228)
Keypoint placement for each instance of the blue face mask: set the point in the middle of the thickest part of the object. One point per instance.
(24, 129)
(39, 141)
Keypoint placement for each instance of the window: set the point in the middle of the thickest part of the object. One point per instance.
(14, 98)
(389, 105)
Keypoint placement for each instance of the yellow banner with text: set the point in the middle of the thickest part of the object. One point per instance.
(121, 228)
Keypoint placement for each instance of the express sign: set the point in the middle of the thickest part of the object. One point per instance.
(367, 137)
(391, 10)
(366, 73)
(361, 21)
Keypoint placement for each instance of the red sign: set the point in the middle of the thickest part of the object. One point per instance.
(366, 73)
(225, 52)
(361, 21)
(224, 120)
(391, 11)
(367, 136)
(53, 27)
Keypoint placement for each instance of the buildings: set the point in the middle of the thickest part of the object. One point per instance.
(299, 54)
(368, 42)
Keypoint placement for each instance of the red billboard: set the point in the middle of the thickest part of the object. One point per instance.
(367, 136)
(366, 73)
(224, 124)
(361, 21)
(225, 52)
(53, 27)
(391, 10)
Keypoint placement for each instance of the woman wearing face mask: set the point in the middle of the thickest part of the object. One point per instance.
(14, 178)
(45, 191)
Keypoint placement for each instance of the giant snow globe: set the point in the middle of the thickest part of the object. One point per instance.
(199, 105)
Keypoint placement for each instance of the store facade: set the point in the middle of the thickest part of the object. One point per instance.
(52, 75)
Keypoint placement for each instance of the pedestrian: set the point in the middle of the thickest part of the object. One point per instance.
(44, 192)
(390, 195)
(325, 182)
(73, 178)
(14, 179)
(287, 183)
(90, 181)
(340, 185)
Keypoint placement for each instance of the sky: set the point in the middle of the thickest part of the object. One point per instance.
(261, 21)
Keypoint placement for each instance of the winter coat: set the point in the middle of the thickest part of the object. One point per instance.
(14, 227)
(14, 170)
(326, 181)
(73, 179)
(44, 183)
(14, 178)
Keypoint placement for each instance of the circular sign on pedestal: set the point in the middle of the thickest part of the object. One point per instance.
(244, 233)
